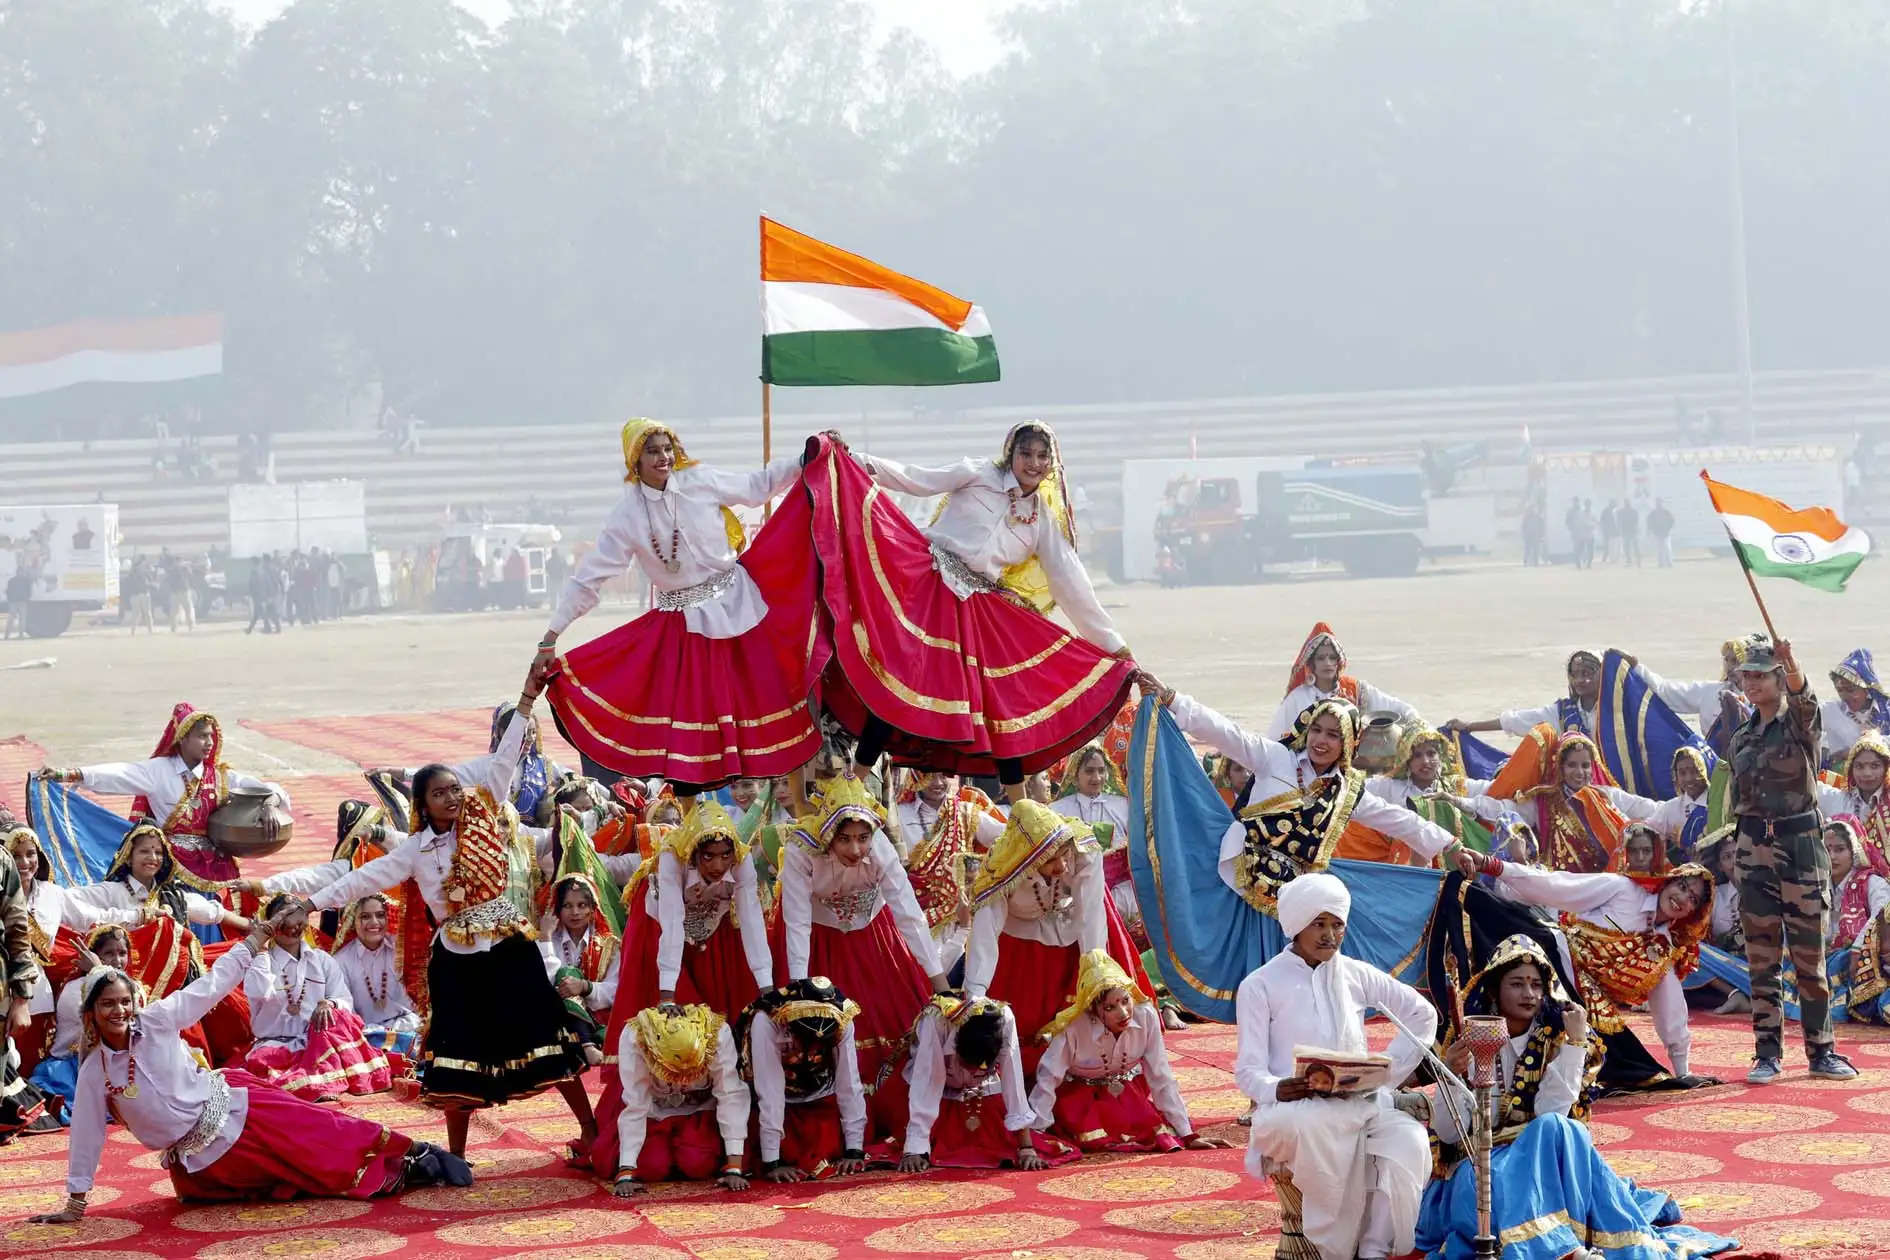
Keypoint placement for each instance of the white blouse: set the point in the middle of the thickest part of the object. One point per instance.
(645, 1098)
(173, 1088)
(681, 924)
(1842, 728)
(978, 527)
(1059, 913)
(51, 909)
(162, 781)
(1370, 700)
(1519, 722)
(764, 1056)
(1088, 1049)
(67, 1024)
(821, 889)
(283, 990)
(932, 1072)
(426, 857)
(120, 900)
(691, 503)
(1104, 807)
(1278, 770)
(374, 988)
(561, 949)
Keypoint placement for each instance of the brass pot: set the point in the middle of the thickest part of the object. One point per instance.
(1378, 743)
(237, 825)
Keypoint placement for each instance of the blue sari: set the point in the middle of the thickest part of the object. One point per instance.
(1553, 1192)
(1205, 939)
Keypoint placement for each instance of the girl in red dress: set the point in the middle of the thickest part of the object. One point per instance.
(847, 912)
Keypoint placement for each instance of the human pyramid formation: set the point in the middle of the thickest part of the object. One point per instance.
(798, 940)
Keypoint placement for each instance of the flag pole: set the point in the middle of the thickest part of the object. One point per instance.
(1739, 555)
(767, 412)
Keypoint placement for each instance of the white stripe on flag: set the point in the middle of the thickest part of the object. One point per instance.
(126, 366)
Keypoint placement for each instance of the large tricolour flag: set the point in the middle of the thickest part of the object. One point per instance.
(833, 318)
(126, 350)
(1809, 545)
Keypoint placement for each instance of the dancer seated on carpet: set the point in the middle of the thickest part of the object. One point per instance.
(1360, 1164)
(1003, 545)
(144, 880)
(685, 1107)
(177, 789)
(1545, 1170)
(582, 956)
(1319, 674)
(308, 1038)
(57, 1074)
(848, 912)
(718, 672)
(797, 1052)
(225, 1134)
(463, 861)
(47, 910)
(1631, 940)
(369, 961)
(1104, 1083)
(958, 1096)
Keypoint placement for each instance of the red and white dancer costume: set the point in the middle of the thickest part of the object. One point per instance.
(685, 1106)
(712, 684)
(956, 1114)
(285, 990)
(225, 1135)
(181, 798)
(1031, 930)
(1103, 1090)
(858, 925)
(702, 942)
(942, 652)
(809, 1112)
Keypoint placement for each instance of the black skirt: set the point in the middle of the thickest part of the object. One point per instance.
(497, 1031)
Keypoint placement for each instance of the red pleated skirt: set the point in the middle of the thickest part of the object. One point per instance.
(957, 1142)
(337, 1060)
(811, 1135)
(654, 698)
(873, 966)
(714, 974)
(1096, 1120)
(289, 1148)
(687, 1148)
(1039, 980)
(963, 683)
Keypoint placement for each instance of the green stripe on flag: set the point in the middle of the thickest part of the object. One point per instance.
(1826, 575)
(898, 356)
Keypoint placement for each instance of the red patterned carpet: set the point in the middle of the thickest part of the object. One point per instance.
(1801, 1169)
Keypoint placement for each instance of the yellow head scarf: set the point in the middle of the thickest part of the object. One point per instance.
(1095, 975)
(678, 1048)
(841, 800)
(707, 821)
(1031, 834)
(639, 430)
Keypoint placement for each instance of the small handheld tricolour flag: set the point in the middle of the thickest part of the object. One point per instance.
(833, 318)
(1809, 545)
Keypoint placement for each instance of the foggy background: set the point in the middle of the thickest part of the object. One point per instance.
(546, 211)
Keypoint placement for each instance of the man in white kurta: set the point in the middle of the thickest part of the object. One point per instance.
(1360, 1164)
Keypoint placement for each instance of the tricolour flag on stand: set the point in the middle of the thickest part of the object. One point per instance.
(833, 318)
(1809, 545)
(128, 350)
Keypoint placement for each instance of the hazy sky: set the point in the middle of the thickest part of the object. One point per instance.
(959, 29)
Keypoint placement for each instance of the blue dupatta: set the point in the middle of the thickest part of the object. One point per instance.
(1639, 734)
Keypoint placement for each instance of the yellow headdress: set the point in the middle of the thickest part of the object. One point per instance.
(707, 821)
(639, 430)
(841, 800)
(1026, 579)
(678, 1048)
(18, 838)
(1870, 742)
(1449, 776)
(1095, 975)
(1031, 834)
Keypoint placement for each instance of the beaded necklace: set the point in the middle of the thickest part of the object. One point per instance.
(1035, 505)
(673, 563)
(295, 1003)
(130, 1088)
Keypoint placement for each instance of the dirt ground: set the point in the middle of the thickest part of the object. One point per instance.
(1461, 640)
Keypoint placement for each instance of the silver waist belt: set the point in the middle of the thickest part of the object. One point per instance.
(216, 1110)
(953, 565)
(701, 593)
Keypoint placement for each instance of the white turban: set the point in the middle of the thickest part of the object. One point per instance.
(1306, 898)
